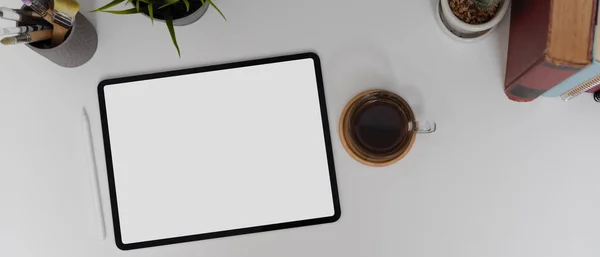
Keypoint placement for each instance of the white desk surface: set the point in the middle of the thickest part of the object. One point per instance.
(498, 178)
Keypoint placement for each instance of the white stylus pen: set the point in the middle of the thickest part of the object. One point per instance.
(87, 132)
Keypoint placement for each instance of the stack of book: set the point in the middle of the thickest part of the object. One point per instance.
(551, 49)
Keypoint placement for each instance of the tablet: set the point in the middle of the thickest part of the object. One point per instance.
(218, 151)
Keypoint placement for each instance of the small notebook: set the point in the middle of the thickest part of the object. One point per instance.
(218, 151)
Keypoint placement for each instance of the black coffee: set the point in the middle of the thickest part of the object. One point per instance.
(379, 127)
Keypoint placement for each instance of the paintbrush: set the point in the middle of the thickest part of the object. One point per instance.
(64, 17)
(28, 17)
(41, 7)
(22, 29)
(30, 37)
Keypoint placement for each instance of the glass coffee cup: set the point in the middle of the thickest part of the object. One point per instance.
(378, 128)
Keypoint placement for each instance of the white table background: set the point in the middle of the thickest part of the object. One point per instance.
(499, 178)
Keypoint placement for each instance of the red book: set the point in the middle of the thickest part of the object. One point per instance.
(550, 40)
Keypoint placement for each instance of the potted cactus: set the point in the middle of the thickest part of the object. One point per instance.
(171, 12)
(470, 19)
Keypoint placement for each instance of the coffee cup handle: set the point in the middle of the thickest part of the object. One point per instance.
(422, 127)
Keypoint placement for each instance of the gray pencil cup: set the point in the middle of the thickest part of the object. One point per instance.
(77, 49)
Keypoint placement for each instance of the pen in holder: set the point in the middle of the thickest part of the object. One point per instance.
(78, 48)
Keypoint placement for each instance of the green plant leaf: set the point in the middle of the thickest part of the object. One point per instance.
(128, 11)
(187, 4)
(109, 5)
(128, 1)
(169, 22)
(137, 5)
(217, 8)
(168, 2)
(151, 12)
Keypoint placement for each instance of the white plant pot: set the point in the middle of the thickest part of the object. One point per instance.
(464, 31)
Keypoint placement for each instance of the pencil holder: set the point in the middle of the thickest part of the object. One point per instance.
(78, 48)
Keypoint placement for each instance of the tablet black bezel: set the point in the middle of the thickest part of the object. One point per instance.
(109, 166)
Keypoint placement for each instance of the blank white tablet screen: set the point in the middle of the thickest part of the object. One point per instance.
(219, 150)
